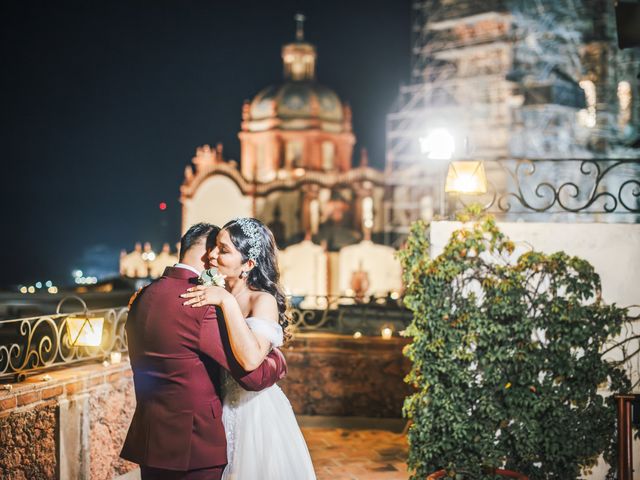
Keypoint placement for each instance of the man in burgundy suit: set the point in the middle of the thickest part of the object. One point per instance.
(177, 353)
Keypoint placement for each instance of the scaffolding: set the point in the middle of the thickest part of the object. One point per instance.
(503, 77)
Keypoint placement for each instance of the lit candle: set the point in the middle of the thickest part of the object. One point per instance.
(357, 335)
(116, 357)
(386, 333)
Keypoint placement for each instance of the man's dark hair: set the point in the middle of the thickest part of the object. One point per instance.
(196, 233)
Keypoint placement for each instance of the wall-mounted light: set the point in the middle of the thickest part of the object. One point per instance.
(85, 331)
(466, 177)
(82, 331)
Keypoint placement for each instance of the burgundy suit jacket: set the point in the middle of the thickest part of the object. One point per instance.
(177, 353)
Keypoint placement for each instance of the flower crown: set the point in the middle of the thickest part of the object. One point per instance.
(252, 232)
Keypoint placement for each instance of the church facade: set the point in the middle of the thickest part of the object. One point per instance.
(296, 176)
(295, 171)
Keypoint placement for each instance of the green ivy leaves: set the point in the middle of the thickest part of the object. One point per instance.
(506, 357)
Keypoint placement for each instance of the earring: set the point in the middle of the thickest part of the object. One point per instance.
(243, 274)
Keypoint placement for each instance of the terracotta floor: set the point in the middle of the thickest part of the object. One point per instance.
(361, 453)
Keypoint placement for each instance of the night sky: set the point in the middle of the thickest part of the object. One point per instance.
(104, 102)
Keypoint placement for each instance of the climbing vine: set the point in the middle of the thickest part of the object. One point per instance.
(506, 353)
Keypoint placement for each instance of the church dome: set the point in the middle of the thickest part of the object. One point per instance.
(297, 100)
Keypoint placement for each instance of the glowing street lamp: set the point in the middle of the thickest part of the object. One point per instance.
(466, 177)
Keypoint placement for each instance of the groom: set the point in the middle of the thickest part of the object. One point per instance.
(177, 356)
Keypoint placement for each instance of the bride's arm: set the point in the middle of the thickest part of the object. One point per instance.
(248, 348)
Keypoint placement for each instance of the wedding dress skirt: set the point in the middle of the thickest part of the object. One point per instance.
(264, 440)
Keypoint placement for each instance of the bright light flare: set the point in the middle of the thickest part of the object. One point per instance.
(439, 144)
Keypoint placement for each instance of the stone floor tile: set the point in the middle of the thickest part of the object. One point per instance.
(357, 454)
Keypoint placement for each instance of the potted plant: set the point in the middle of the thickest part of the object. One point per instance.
(506, 357)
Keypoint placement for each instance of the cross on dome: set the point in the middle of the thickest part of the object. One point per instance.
(299, 18)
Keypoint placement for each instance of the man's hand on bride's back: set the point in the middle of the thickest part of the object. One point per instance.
(201, 295)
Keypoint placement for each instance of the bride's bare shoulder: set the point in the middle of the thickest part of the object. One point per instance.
(264, 304)
(263, 298)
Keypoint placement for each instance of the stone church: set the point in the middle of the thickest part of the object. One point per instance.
(295, 175)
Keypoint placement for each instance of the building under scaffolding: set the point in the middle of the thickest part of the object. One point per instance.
(537, 79)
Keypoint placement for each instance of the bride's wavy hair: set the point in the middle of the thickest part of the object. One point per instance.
(265, 275)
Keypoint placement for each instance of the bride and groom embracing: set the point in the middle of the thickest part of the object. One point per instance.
(205, 362)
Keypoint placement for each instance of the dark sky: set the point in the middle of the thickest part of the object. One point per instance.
(104, 102)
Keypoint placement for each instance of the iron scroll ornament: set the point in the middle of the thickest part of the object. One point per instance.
(603, 186)
(37, 344)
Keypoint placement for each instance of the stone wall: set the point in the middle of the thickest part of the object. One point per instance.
(338, 375)
(68, 424)
(71, 423)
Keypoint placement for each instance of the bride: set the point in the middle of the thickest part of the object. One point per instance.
(263, 437)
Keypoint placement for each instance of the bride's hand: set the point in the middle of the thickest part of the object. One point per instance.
(201, 295)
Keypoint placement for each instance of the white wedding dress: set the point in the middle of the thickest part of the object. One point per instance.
(264, 440)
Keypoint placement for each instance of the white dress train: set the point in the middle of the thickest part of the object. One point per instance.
(264, 440)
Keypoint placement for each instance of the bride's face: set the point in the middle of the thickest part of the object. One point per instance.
(226, 256)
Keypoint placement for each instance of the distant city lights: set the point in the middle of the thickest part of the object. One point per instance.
(86, 280)
(77, 273)
(51, 288)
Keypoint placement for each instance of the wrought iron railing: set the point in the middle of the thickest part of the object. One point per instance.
(348, 315)
(563, 186)
(36, 344)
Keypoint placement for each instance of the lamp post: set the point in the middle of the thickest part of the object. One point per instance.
(439, 144)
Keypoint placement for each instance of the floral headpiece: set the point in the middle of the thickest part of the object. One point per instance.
(252, 232)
